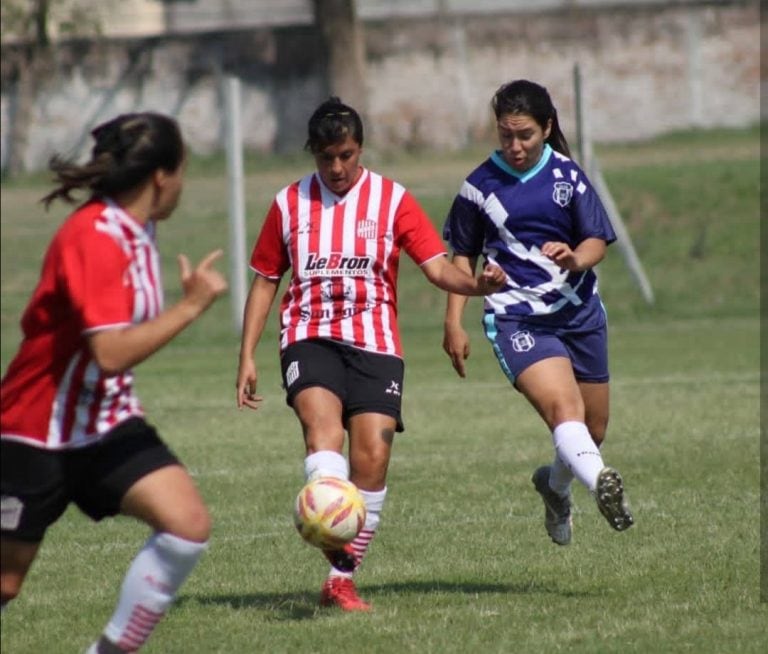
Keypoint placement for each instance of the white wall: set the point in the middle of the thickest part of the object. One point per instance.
(429, 82)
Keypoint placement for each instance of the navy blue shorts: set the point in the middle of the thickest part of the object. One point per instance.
(38, 484)
(519, 344)
(365, 382)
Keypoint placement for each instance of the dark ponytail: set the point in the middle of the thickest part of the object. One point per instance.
(127, 151)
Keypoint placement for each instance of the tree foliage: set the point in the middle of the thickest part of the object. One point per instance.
(39, 22)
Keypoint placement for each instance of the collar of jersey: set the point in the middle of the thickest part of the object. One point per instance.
(546, 153)
(139, 231)
(340, 199)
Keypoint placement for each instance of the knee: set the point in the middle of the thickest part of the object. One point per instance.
(318, 440)
(10, 587)
(191, 523)
(563, 411)
(373, 454)
(198, 525)
(369, 470)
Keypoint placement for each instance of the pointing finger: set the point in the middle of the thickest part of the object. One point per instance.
(184, 268)
(210, 258)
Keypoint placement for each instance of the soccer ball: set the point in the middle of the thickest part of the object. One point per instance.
(329, 512)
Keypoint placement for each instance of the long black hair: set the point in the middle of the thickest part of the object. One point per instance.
(524, 97)
(128, 149)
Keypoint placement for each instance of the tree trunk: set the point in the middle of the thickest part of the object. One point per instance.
(31, 62)
(344, 43)
(32, 66)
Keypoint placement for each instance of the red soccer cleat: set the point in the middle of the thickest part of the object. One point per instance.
(341, 592)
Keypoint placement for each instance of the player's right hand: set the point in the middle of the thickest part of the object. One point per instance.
(492, 279)
(246, 386)
(456, 346)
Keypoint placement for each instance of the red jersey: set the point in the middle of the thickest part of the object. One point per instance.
(344, 254)
(101, 271)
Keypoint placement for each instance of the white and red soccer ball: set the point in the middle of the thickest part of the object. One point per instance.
(329, 512)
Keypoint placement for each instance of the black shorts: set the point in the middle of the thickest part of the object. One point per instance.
(365, 382)
(37, 484)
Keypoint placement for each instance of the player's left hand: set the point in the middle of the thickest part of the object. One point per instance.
(561, 254)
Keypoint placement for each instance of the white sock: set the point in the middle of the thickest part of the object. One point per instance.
(149, 587)
(325, 463)
(576, 449)
(560, 476)
(374, 503)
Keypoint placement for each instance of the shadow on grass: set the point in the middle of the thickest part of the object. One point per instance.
(303, 605)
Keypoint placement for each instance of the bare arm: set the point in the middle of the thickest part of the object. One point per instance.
(117, 350)
(587, 254)
(455, 338)
(257, 306)
(449, 277)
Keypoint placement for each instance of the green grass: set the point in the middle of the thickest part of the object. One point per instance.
(461, 562)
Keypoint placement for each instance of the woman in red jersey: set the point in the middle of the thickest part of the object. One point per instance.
(340, 231)
(73, 430)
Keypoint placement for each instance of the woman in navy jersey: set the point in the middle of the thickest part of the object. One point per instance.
(73, 429)
(531, 210)
(340, 231)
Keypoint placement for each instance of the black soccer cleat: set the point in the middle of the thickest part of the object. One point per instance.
(611, 500)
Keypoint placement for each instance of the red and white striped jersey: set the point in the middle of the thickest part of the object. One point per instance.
(344, 254)
(101, 271)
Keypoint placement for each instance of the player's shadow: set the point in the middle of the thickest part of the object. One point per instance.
(303, 605)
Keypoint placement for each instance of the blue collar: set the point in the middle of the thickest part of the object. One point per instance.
(546, 153)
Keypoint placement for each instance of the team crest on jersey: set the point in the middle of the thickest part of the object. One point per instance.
(562, 193)
(335, 289)
(522, 341)
(366, 229)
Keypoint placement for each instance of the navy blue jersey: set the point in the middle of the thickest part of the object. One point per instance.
(507, 216)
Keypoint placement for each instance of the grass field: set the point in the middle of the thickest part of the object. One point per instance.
(461, 563)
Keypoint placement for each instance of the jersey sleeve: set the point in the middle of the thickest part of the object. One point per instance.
(94, 270)
(270, 256)
(415, 232)
(590, 217)
(463, 228)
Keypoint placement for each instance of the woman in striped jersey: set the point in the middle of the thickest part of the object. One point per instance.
(73, 430)
(531, 209)
(340, 231)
